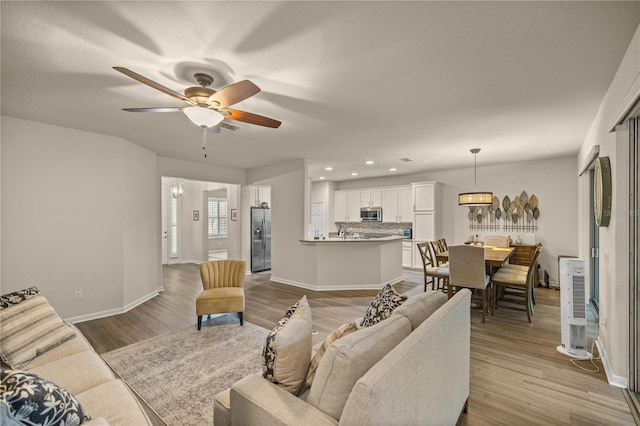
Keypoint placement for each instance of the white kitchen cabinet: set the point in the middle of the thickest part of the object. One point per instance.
(259, 195)
(397, 204)
(406, 254)
(353, 206)
(346, 206)
(390, 205)
(340, 206)
(424, 226)
(371, 197)
(424, 196)
(427, 216)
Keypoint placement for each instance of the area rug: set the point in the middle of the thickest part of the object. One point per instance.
(179, 373)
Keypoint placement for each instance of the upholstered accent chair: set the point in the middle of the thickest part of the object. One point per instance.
(467, 270)
(222, 282)
(497, 241)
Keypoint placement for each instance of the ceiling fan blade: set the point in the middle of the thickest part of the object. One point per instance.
(234, 93)
(251, 118)
(153, 84)
(158, 109)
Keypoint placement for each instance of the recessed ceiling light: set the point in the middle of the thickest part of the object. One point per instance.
(321, 177)
(354, 174)
(368, 162)
(393, 169)
(328, 168)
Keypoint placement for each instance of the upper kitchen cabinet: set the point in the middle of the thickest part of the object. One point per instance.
(397, 204)
(425, 196)
(405, 204)
(346, 206)
(259, 195)
(371, 197)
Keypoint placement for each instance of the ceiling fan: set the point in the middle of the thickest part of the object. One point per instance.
(207, 107)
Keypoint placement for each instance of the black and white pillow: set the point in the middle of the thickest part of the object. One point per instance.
(287, 350)
(9, 299)
(31, 400)
(382, 306)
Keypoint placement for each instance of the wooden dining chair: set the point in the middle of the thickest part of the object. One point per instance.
(437, 275)
(438, 247)
(516, 286)
(524, 269)
(467, 270)
(443, 244)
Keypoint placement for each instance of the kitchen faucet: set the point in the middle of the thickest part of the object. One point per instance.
(342, 232)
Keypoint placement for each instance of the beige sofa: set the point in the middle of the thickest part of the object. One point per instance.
(412, 368)
(76, 367)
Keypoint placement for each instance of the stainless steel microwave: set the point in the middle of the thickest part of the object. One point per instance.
(371, 214)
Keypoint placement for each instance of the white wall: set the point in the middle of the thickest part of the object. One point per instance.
(290, 196)
(323, 192)
(78, 213)
(614, 282)
(553, 181)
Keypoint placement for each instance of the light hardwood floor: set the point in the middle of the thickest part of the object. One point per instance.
(517, 376)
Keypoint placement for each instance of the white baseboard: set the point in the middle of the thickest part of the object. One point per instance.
(336, 286)
(115, 311)
(618, 381)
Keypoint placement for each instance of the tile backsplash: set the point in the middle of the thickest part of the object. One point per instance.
(370, 228)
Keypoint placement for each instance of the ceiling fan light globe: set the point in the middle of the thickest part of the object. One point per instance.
(203, 117)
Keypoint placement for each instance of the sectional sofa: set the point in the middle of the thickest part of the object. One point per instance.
(51, 374)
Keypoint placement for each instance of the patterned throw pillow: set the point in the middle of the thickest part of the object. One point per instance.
(29, 329)
(10, 299)
(287, 349)
(26, 398)
(382, 306)
(341, 331)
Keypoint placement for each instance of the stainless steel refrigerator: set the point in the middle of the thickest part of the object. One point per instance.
(260, 239)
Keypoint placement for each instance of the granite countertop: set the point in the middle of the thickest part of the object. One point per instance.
(365, 239)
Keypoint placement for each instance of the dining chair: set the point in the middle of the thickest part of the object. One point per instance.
(437, 274)
(497, 241)
(442, 244)
(524, 269)
(516, 286)
(467, 270)
(222, 284)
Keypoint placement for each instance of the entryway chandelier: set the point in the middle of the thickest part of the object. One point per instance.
(475, 198)
(177, 189)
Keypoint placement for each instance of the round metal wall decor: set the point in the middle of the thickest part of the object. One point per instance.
(602, 191)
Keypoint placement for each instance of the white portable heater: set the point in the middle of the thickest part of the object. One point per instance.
(573, 309)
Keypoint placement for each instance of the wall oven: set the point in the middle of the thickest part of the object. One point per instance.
(371, 214)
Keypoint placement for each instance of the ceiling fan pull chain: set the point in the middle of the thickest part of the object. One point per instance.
(204, 141)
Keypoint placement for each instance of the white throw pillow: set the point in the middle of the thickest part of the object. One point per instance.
(287, 350)
(30, 328)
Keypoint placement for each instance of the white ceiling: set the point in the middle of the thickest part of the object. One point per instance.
(350, 81)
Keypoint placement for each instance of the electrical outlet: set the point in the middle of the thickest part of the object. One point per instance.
(78, 294)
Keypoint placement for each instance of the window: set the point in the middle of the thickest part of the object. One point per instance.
(217, 217)
(174, 250)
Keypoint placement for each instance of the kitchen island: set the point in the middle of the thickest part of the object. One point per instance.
(351, 264)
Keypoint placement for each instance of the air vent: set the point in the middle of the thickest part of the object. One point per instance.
(579, 297)
(406, 160)
(229, 126)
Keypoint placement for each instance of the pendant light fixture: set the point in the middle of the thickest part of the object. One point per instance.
(475, 198)
(177, 189)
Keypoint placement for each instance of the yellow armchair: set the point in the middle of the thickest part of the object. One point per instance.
(222, 282)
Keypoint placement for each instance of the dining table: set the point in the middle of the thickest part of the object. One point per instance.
(494, 257)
